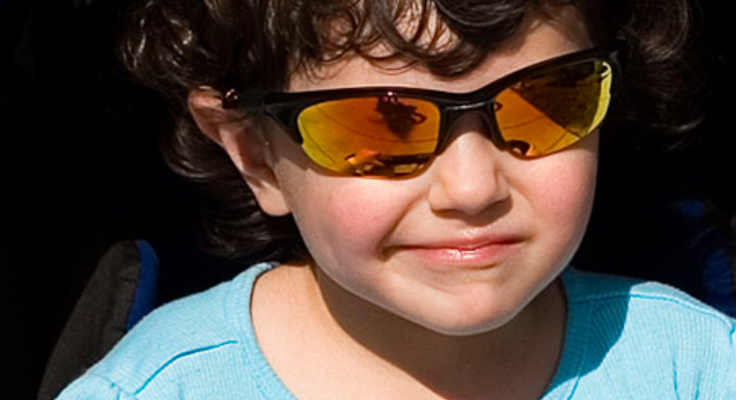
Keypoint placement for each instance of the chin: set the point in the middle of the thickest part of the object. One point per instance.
(469, 321)
(467, 328)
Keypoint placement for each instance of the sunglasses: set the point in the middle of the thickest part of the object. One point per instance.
(395, 132)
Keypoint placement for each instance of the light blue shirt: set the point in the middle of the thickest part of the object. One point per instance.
(625, 339)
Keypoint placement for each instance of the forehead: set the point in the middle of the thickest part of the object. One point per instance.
(541, 37)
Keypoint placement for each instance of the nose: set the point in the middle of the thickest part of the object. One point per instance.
(468, 176)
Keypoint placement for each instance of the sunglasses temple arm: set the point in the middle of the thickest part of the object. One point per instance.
(251, 100)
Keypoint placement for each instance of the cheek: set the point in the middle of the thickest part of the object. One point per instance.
(343, 218)
(339, 218)
(563, 199)
(569, 193)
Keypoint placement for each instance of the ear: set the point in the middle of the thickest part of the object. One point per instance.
(243, 140)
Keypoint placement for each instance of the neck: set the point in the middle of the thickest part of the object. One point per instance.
(516, 360)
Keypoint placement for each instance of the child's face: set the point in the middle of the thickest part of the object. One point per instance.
(463, 247)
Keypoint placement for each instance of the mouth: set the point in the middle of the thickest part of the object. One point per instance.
(476, 253)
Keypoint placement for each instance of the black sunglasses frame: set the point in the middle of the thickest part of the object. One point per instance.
(285, 107)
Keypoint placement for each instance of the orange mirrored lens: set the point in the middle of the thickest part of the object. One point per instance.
(554, 110)
(373, 136)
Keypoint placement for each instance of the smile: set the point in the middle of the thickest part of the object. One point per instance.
(468, 254)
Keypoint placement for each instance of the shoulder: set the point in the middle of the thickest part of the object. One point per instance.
(192, 345)
(637, 298)
(649, 338)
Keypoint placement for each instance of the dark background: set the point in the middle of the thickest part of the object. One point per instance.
(80, 170)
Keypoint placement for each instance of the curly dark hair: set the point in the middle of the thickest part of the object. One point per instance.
(178, 45)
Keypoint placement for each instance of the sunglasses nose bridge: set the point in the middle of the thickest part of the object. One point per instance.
(483, 109)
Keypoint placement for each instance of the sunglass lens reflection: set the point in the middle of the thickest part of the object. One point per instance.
(382, 135)
(553, 111)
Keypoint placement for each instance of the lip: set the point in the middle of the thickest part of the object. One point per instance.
(470, 253)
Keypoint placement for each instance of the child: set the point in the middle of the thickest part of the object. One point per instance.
(438, 159)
